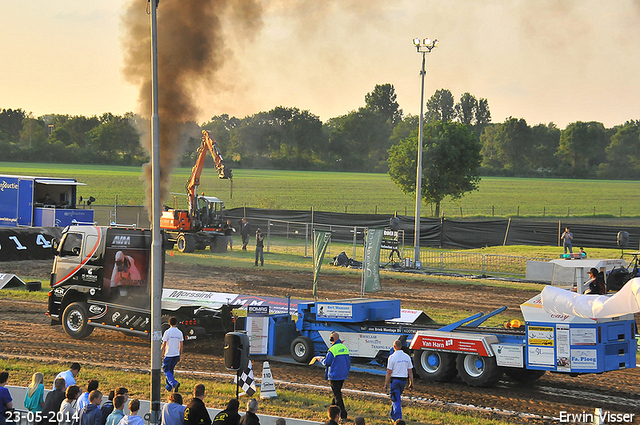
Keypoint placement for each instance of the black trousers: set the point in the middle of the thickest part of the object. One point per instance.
(336, 387)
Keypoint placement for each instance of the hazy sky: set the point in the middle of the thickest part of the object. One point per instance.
(542, 60)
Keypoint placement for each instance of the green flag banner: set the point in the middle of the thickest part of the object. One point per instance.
(320, 242)
(371, 261)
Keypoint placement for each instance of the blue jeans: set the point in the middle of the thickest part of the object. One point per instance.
(396, 388)
(169, 365)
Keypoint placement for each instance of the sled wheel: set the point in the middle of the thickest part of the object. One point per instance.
(302, 349)
(478, 371)
(435, 365)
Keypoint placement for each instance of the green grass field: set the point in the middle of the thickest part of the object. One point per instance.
(356, 192)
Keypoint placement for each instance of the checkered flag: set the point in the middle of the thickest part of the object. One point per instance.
(246, 381)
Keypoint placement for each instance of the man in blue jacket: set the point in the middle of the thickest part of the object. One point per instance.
(337, 363)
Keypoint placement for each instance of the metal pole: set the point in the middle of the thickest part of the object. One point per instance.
(416, 236)
(156, 248)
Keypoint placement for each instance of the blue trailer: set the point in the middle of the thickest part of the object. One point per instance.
(480, 355)
(40, 202)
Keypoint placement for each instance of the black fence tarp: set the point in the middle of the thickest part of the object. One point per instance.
(443, 232)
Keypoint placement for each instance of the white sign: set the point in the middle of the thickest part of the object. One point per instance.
(258, 332)
(541, 356)
(363, 344)
(563, 343)
(584, 359)
(583, 336)
(334, 311)
(510, 355)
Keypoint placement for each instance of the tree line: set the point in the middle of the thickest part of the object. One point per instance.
(361, 140)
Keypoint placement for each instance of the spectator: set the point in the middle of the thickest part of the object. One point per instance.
(567, 240)
(334, 415)
(171, 351)
(84, 398)
(69, 375)
(399, 422)
(118, 410)
(281, 421)
(245, 229)
(132, 418)
(338, 364)
(250, 418)
(52, 402)
(34, 399)
(259, 247)
(107, 407)
(228, 230)
(90, 413)
(399, 371)
(173, 411)
(69, 413)
(6, 402)
(229, 415)
(359, 420)
(196, 411)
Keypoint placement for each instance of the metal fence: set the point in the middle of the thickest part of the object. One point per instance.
(136, 215)
(475, 262)
(296, 238)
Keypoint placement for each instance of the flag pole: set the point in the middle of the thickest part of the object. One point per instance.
(364, 255)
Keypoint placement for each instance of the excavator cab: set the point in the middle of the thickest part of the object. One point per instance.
(209, 212)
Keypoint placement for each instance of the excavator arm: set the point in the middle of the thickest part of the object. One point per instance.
(208, 144)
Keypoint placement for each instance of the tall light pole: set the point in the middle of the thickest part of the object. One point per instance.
(156, 246)
(423, 46)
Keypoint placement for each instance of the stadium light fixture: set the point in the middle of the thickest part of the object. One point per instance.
(422, 46)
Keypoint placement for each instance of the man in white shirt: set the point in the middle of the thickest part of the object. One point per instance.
(399, 370)
(69, 376)
(171, 351)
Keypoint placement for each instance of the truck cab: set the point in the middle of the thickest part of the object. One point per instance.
(101, 278)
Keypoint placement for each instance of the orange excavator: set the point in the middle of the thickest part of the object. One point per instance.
(200, 226)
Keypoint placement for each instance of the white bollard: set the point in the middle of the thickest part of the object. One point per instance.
(267, 386)
(597, 417)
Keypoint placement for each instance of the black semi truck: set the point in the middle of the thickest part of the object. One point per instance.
(101, 278)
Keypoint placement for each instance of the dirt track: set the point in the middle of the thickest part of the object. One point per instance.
(27, 333)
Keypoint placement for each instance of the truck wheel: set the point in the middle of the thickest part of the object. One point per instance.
(523, 375)
(302, 349)
(478, 371)
(219, 244)
(435, 365)
(75, 321)
(186, 244)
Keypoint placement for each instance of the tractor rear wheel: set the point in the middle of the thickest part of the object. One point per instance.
(186, 243)
(219, 244)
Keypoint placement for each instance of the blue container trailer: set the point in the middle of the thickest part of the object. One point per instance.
(40, 202)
